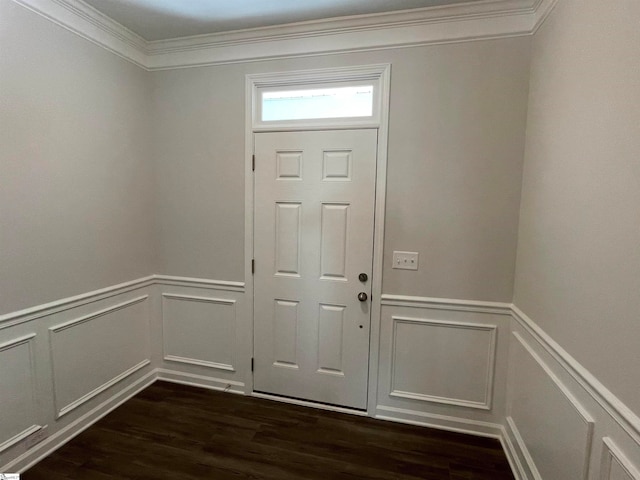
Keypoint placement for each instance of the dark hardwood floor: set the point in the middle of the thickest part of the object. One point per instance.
(181, 433)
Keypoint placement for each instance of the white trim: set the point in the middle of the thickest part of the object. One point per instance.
(99, 313)
(6, 445)
(191, 298)
(61, 437)
(622, 415)
(446, 304)
(202, 381)
(611, 453)
(486, 404)
(378, 238)
(305, 403)
(441, 422)
(57, 306)
(542, 12)
(90, 24)
(97, 391)
(464, 22)
(201, 363)
(199, 283)
(17, 341)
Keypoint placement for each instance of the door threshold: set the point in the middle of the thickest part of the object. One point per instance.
(307, 403)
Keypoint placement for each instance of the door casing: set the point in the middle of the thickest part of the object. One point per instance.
(381, 75)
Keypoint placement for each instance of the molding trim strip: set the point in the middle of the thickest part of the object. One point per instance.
(99, 313)
(201, 363)
(90, 24)
(85, 398)
(491, 355)
(191, 298)
(611, 453)
(488, 19)
(46, 309)
(199, 282)
(442, 422)
(201, 381)
(446, 304)
(623, 416)
(531, 465)
(57, 306)
(19, 437)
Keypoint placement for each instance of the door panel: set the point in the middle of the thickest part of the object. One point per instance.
(314, 208)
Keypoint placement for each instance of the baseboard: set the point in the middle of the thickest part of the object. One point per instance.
(202, 381)
(441, 422)
(61, 437)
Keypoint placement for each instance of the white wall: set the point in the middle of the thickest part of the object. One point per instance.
(76, 203)
(76, 215)
(455, 149)
(574, 396)
(578, 271)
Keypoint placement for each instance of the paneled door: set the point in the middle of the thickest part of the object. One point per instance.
(313, 248)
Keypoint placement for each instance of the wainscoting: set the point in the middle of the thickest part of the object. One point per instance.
(206, 334)
(475, 367)
(561, 422)
(65, 364)
(443, 363)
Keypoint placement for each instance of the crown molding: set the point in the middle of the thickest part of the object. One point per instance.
(482, 20)
(90, 24)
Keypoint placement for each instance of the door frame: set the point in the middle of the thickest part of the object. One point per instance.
(380, 75)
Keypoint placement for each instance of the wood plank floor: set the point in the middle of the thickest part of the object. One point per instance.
(175, 432)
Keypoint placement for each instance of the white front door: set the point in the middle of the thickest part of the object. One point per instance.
(314, 211)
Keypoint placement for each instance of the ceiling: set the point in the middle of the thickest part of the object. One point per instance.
(164, 19)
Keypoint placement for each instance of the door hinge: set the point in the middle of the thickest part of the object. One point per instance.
(253, 266)
(253, 163)
(252, 364)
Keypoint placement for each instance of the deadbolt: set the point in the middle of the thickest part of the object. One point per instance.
(363, 277)
(362, 297)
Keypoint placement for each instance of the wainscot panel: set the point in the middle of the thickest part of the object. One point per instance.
(92, 353)
(443, 363)
(206, 337)
(18, 414)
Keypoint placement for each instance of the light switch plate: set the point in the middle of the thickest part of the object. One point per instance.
(405, 260)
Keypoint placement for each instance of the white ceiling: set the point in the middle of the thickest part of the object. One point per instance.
(164, 19)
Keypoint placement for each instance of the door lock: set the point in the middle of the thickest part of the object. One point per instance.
(363, 277)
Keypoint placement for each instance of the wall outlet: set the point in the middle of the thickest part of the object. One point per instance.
(36, 437)
(405, 260)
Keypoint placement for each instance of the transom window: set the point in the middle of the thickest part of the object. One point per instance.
(353, 101)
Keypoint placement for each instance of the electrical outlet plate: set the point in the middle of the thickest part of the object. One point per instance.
(405, 260)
